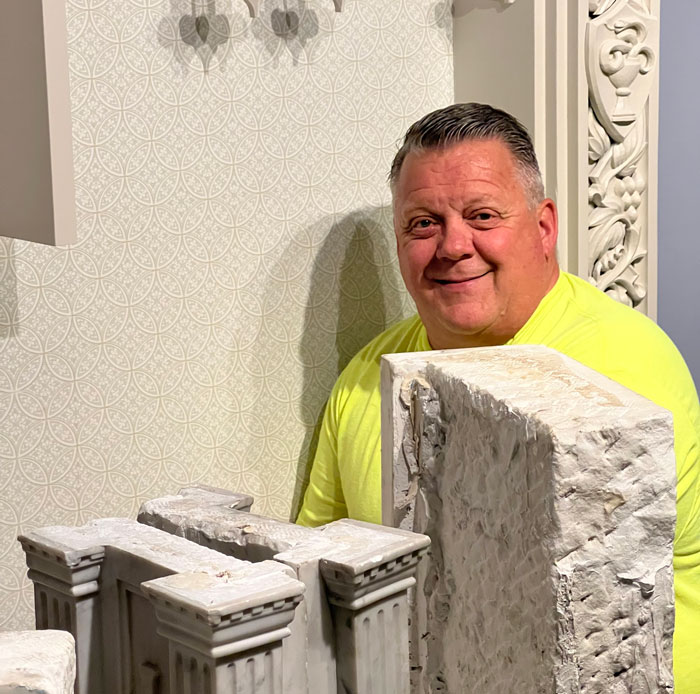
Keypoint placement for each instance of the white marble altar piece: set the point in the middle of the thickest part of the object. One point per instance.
(351, 633)
(153, 613)
(37, 662)
(548, 492)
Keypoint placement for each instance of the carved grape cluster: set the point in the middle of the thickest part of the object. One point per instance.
(628, 191)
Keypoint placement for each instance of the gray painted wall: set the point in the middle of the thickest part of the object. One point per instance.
(679, 179)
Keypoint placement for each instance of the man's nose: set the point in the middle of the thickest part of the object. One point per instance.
(456, 241)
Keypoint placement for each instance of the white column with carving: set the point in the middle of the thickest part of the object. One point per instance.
(358, 643)
(90, 581)
(622, 43)
(225, 632)
(582, 76)
(371, 617)
(66, 597)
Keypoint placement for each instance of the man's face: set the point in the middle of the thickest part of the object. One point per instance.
(475, 258)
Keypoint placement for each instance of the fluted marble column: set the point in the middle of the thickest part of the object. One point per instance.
(66, 597)
(224, 632)
(89, 581)
(371, 616)
(352, 630)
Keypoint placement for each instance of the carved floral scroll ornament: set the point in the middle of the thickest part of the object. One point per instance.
(622, 37)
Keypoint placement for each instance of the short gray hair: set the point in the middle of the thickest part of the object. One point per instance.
(464, 122)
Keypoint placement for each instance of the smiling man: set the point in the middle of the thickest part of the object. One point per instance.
(476, 241)
(476, 247)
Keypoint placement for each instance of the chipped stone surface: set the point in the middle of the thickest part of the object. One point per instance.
(224, 593)
(37, 662)
(208, 519)
(171, 553)
(548, 492)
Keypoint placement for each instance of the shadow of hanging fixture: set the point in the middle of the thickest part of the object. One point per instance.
(204, 31)
(254, 6)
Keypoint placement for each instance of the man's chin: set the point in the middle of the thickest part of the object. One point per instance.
(471, 331)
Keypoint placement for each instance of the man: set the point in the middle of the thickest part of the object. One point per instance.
(476, 242)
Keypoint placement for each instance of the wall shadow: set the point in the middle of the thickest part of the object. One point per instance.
(287, 24)
(464, 7)
(442, 16)
(8, 289)
(356, 270)
(208, 26)
(198, 25)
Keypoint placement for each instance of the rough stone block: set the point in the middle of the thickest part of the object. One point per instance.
(37, 662)
(548, 492)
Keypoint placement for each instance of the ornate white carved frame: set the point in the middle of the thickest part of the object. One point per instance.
(583, 77)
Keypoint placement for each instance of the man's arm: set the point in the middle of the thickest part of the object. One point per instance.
(324, 501)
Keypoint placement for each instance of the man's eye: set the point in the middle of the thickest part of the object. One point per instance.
(484, 219)
(424, 224)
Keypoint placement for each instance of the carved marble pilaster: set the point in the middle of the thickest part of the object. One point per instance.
(586, 88)
(207, 517)
(622, 44)
(92, 577)
(371, 617)
(66, 597)
(224, 632)
(362, 570)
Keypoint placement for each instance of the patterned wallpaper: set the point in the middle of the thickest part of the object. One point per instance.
(234, 251)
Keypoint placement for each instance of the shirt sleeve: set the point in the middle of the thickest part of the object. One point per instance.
(324, 501)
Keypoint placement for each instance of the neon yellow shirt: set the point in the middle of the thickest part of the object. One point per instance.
(580, 321)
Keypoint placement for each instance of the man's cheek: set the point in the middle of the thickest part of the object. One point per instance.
(419, 253)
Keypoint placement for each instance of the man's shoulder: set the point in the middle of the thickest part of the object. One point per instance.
(406, 336)
(613, 322)
(623, 344)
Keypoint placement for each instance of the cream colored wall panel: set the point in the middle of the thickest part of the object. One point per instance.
(234, 250)
(494, 56)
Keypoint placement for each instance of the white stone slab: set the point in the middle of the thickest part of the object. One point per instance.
(37, 662)
(548, 492)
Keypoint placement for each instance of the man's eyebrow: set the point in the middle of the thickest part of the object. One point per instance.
(406, 216)
(476, 199)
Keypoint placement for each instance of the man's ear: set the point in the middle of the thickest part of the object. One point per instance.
(547, 221)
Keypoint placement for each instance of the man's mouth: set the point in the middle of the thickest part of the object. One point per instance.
(459, 280)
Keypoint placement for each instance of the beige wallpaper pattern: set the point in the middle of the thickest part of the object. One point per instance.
(234, 251)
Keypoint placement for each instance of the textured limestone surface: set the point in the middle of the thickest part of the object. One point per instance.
(548, 492)
(37, 662)
(207, 517)
(174, 554)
